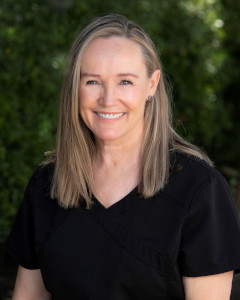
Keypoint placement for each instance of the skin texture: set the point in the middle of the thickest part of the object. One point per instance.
(213, 287)
(29, 286)
(114, 80)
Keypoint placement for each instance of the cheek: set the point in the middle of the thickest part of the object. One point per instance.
(88, 96)
(83, 102)
(87, 99)
(135, 93)
(136, 99)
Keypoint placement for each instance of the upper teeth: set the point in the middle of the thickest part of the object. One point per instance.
(110, 116)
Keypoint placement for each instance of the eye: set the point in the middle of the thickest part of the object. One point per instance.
(91, 82)
(126, 82)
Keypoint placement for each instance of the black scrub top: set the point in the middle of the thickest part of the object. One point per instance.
(135, 249)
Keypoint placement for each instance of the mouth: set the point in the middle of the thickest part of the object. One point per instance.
(110, 116)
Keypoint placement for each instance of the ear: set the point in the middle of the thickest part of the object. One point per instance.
(153, 82)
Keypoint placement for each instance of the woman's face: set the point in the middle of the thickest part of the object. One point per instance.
(114, 88)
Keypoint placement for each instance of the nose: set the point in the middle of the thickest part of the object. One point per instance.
(108, 96)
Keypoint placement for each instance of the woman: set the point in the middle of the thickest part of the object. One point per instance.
(124, 208)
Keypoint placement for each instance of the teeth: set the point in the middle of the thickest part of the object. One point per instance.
(109, 116)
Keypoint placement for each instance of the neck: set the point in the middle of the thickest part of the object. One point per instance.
(119, 154)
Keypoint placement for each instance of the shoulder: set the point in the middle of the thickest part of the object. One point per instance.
(191, 176)
(189, 164)
(42, 174)
(40, 182)
(191, 168)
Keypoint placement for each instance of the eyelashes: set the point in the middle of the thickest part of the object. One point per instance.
(126, 82)
(89, 82)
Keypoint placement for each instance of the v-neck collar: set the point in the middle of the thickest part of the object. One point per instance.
(121, 205)
(111, 222)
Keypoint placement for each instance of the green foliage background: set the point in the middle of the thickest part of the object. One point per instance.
(199, 46)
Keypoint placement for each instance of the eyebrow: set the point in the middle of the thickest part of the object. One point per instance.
(128, 74)
(89, 75)
(118, 75)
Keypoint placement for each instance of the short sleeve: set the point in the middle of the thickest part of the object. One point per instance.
(210, 239)
(21, 241)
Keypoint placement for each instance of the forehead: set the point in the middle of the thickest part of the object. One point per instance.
(114, 52)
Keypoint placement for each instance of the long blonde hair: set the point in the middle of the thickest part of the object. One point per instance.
(75, 147)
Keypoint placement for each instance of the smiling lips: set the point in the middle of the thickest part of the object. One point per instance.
(109, 116)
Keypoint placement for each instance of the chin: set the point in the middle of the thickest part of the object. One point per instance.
(107, 136)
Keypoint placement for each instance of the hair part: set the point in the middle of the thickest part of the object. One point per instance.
(75, 146)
